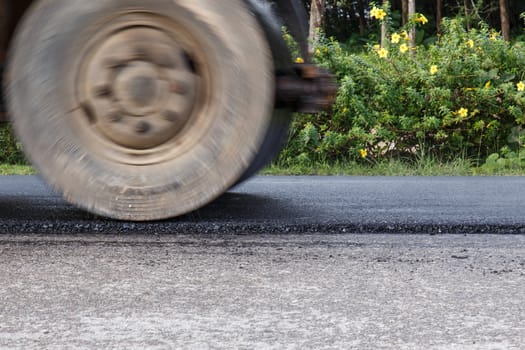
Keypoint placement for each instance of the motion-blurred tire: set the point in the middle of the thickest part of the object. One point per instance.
(141, 110)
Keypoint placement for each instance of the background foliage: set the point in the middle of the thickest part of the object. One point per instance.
(459, 97)
(10, 149)
(349, 22)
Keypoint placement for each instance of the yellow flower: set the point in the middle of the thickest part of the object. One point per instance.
(403, 48)
(383, 53)
(395, 38)
(377, 13)
(494, 36)
(299, 60)
(377, 47)
(363, 152)
(462, 112)
(317, 52)
(520, 86)
(433, 69)
(421, 19)
(404, 35)
(488, 84)
(470, 43)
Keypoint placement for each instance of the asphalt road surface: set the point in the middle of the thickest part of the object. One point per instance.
(298, 204)
(278, 263)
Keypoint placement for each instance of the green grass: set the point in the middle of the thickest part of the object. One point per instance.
(426, 167)
(385, 168)
(8, 169)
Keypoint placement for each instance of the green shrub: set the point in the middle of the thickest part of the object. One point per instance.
(457, 97)
(10, 149)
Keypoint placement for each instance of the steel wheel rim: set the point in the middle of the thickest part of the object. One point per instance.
(143, 90)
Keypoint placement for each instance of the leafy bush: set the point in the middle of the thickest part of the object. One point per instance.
(460, 96)
(10, 149)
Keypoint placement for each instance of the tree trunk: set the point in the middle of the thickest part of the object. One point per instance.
(317, 11)
(404, 11)
(384, 29)
(504, 16)
(411, 13)
(467, 14)
(439, 15)
(362, 20)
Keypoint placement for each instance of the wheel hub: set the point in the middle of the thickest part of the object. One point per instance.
(138, 89)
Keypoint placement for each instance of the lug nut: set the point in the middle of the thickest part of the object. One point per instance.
(114, 117)
(116, 64)
(171, 116)
(89, 112)
(103, 91)
(142, 127)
